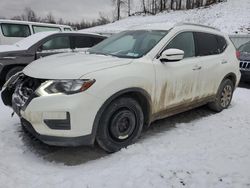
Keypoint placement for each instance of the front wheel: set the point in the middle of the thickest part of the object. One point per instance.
(223, 97)
(120, 124)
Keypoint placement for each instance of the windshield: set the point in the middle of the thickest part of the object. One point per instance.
(129, 44)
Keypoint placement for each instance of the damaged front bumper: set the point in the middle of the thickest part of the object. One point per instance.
(61, 120)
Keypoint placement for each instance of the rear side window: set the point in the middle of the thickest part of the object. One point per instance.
(15, 30)
(57, 43)
(184, 41)
(86, 41)
(37, 29)
(209, 44)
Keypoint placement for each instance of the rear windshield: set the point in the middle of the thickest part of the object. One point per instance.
(245, 48)
(15, 30)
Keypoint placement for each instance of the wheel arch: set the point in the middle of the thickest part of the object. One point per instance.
(231, 76)
(140, 95)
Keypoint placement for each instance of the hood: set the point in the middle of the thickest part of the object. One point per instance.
(71, 65)
(9, 48)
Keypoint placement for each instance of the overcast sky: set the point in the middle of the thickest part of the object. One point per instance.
(69, 10)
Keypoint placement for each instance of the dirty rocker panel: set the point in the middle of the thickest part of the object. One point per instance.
(182, 108)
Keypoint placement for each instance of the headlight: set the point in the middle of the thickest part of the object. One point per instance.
(67, 87)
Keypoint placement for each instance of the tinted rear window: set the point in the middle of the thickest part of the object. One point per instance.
(15, 30)
(86, 41)
(206, 44)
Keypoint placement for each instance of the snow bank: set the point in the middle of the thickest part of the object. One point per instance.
(230, 17)
(195, 149)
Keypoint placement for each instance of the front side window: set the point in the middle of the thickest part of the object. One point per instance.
(56, 44)
(38, 29)
(129, 44)
(206, 44)
(15, 30)
(183, 41)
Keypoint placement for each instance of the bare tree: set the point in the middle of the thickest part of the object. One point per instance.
(129, 7)
(50, 18)
(118, 5)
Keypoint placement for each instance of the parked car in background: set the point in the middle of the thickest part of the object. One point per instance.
(13, 58)
(12, 31)
(125, 82)
(244, 57)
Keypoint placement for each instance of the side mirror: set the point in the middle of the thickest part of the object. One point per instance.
(172, 54)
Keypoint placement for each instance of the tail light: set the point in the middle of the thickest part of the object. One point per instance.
(238, 54)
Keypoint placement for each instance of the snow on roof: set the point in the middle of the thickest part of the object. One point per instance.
(27, 42)
(230, 17)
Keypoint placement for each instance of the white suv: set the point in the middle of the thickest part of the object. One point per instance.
(123, 84)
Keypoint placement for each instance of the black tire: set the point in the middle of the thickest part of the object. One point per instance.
(12, 72)
(224, 96)
(120, 125)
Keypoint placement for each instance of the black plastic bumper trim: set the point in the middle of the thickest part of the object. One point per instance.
(57, 124)
(58, 141)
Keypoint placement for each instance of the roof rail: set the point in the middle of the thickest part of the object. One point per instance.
(195, 24)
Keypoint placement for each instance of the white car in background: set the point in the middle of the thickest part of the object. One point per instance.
(123, 84)
(12, 31)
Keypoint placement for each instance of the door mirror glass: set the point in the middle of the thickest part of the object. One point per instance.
(172, 54)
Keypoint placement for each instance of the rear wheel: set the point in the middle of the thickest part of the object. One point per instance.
(120, 125)
(223, 97)
(12, 72)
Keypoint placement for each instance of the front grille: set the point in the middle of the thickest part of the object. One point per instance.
(25, 91)
(245, 65)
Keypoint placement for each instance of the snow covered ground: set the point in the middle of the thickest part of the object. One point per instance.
(230, 17)
(194, 149)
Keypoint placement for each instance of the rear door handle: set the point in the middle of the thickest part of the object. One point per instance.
(197, 68)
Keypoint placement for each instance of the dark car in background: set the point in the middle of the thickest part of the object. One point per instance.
(244, 57)
(13, 58)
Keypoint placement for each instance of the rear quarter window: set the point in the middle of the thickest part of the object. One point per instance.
(15, 30)
(222, 43)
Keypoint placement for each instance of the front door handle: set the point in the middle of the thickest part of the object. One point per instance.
(197, 68)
